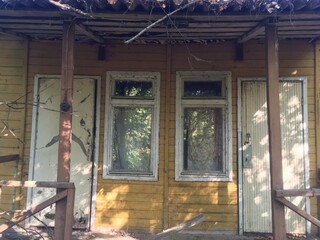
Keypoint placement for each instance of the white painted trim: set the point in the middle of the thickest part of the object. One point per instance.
(239, 153)
(306, 145)
(226, 103)
(33, 140)
(96, 152)
(154, 103)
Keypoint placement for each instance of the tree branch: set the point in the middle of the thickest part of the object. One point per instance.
(67, 7)
(160, 20)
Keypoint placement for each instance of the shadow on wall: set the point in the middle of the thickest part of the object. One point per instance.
(257, 201)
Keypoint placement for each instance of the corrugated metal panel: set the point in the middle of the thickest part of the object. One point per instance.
(292, 148)
(247, 6)
(256, 179)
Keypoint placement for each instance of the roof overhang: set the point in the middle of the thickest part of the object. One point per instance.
(101, 25)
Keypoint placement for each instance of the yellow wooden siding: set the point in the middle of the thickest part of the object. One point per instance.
(12, 87)
(119, 203)
(140, 204)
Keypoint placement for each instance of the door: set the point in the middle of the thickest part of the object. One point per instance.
(44, 157)
(254, 153)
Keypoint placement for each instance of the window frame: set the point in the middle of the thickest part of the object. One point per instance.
(118, 101)
(224, 102)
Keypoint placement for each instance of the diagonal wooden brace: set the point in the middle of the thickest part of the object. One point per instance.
(299, 211)
(35, 210)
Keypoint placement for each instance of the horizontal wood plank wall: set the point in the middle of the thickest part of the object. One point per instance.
(139, 204)
(122, 204)
(217, 200)
(12, 87)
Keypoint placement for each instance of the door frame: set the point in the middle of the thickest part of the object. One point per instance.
(304, 81)
(96, 140)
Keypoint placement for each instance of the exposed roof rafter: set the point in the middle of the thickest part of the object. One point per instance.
(258, 29)
(13, 34)
(86, 31)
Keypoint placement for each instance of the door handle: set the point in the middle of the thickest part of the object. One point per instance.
(247, 152)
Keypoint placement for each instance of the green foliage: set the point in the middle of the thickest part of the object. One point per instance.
(132, 139)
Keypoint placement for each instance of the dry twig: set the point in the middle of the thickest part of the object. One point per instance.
(67, 7)
(160, 20)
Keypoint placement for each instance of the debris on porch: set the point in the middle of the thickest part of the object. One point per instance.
(113, 234)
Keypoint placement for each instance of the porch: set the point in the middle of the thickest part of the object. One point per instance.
(227, 46)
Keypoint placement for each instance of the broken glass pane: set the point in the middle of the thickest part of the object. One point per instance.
(131, 150)
(203, 139)
(130, 88)
(203, 89)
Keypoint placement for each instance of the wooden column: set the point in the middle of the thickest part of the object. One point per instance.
(65, 132)
(317, 117)
(167, 140)
(272, 65)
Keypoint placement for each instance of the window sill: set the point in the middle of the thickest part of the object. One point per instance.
(130, 177)
(183, 177)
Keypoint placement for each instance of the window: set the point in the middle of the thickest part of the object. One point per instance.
(203, 126)
(131, 126)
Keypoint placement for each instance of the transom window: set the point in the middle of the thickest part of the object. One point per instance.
(132, 125)
(203, 126)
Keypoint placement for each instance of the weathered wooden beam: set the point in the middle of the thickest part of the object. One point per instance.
(167, 136)
(274, 130)
(65, 130)
(69, 213)
(13, 34)
(317, 115)
(252, 33)
(188, 224)
(298, 192)
(34, 210)
(9, 158)
(86, 31)
(302, 213)
(35, 184)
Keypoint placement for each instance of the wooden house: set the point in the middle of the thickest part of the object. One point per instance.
(169, 125)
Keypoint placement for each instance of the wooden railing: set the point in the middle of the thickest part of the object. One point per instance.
(9, 158)
(66, 191)
(280, 196)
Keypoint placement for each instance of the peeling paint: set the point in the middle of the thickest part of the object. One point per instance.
(82, 122)
(55, 139)
(83, 100)
(49, 216)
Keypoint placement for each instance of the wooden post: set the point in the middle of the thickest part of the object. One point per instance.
(69, 213)
(166, 142)
(65, 132)
(274, 128)
(317, 111)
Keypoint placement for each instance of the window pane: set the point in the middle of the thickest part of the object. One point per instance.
(202, 89)
(203, 139)
(133, 89)
(131, 150)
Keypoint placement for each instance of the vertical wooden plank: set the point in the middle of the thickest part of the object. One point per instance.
(274, 129)
(65, 131)
(69, 213)
(167, 126)
(317, 117)
(24, 98)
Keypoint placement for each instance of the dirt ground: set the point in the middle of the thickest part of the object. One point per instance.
(47, 234)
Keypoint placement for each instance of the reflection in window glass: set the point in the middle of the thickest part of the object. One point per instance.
(202, 89)
(131, 88)
(203, 139)
(131, 150)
